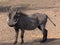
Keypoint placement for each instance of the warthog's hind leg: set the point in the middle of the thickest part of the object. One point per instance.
(44, 36)
(44, 31)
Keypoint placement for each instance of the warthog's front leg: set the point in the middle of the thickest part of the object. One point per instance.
(16, 30)
(22, 36)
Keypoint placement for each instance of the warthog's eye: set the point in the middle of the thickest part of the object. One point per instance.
(16, 18)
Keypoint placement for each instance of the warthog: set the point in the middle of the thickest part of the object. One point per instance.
(20, 20)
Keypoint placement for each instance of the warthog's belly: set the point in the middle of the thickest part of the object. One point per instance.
(31, 25)
(28, 24)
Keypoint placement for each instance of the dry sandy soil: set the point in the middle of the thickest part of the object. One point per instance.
(7, 34)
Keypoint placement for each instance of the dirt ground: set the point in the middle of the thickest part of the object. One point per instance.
(7, 34)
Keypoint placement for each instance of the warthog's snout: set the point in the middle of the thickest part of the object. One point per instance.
(11, 24)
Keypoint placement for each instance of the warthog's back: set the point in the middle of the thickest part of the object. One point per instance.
(31, 21)
(41, 17)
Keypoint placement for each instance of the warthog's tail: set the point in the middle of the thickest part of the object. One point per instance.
(51, 21)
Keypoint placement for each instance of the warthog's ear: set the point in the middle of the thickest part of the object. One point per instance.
(10, 10)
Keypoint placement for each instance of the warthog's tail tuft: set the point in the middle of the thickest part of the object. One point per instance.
(51, 21)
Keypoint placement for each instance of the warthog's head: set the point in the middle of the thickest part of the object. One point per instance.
(13, 18)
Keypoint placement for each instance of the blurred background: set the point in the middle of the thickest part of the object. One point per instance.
(49, 7)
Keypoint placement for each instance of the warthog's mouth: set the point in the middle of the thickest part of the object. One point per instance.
(11, 25)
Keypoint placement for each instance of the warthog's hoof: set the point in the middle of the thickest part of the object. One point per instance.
(21, 42)
(15, 42)
(43, 41)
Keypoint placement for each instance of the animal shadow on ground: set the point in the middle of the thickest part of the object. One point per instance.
(37, 42)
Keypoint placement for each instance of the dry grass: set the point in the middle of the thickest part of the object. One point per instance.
(7, 34)
(53, 32)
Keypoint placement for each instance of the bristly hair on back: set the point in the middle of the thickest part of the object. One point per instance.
(21, 13)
